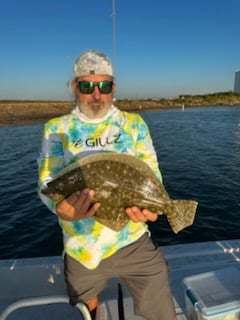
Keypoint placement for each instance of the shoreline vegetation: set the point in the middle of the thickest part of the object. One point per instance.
(16, 112)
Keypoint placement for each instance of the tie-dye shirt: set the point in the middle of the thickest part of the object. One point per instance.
(72, 136)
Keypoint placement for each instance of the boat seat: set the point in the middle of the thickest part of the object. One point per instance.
(46, 300)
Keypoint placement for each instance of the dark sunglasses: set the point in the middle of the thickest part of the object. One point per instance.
(87, 87)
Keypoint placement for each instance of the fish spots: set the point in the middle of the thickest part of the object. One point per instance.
(74, 178)
(121, 181)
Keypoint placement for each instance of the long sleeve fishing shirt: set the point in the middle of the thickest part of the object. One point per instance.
(72, 136)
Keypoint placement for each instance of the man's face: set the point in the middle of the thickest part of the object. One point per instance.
(96, 104)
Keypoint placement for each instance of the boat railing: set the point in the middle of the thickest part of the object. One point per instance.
(36, 301)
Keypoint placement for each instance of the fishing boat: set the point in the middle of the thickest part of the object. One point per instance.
(34, 288)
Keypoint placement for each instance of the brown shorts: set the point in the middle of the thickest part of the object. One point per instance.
(141, 266)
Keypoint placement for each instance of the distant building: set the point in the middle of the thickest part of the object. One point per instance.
(237, 82)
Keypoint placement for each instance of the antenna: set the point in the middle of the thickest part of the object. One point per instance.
(114, 36)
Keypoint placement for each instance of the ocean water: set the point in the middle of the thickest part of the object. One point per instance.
(199, 155)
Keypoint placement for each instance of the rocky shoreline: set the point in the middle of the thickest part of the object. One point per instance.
(30, 112)
(22, 112)
(36, 112)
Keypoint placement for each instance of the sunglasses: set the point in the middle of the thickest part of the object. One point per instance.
(87, 87)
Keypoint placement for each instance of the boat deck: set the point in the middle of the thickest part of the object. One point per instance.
(41, 278)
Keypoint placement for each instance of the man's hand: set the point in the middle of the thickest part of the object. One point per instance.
(137, 215)
(77, 206)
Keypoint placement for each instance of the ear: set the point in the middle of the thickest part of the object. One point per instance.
(74, 85)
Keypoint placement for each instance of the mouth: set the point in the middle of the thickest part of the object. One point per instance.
(96, 104)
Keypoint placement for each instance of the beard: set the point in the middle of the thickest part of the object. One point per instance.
(95, 109)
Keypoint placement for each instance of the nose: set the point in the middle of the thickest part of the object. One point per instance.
(96, 93)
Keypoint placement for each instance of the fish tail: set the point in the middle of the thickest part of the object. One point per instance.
(181, 214)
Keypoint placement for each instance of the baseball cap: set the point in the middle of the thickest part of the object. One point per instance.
(92, 62)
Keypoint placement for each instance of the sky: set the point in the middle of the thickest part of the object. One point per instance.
(159, 48)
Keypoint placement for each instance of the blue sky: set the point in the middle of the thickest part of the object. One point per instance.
(164, 48)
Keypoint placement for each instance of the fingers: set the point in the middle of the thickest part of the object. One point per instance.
(137, 215)
(92, 210)
(78, 205)
(82, 200)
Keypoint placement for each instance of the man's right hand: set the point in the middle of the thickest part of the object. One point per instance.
(77, 206)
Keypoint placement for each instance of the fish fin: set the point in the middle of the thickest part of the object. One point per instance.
(181, 214)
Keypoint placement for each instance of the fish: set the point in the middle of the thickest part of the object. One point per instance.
(120, 181)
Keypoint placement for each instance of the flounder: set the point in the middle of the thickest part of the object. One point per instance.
(120, 181)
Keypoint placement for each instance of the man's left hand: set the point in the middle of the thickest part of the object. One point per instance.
(138, 215)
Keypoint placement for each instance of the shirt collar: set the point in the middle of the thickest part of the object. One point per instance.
(113, 110)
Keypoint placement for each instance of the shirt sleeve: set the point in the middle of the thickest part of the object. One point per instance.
(51, 159)
(144, 146)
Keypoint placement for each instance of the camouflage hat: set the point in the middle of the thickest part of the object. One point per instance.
(92, 62)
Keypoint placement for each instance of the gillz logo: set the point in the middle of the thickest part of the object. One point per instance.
(99, 142)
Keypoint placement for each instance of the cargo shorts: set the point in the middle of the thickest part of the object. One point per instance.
(142, 268)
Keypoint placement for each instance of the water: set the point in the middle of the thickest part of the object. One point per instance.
(199, 155)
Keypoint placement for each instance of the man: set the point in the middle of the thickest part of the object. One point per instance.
(93, 252)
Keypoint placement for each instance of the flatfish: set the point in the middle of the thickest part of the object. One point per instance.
(120, 181)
